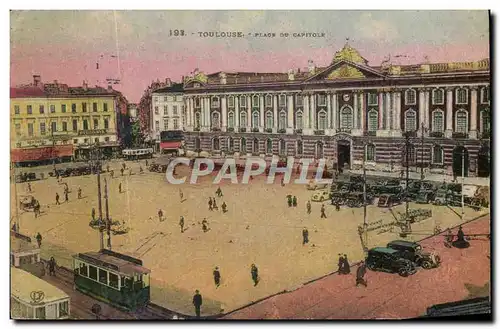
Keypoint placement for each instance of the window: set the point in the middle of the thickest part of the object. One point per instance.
(243, 119)
(461, 94)
(85, 125)
(282, 120)
(63, 309)
(75, 125)
(437, 154)
(255, 119)
(93, 272)
(42, 128)
(215, 120)
(269, 146)
(165, 98)
(321, 100)
(243, 145)
(230, 144)
(83, 267)
(230, 101)
(438, 96)
(319, 150)
(113, 280)
(18, 129)
(255, 101)
(96, 124)
(30, 129)
(299, 120)
(410, 120)
(370, 152)
(437, 121)
(485, 120)
(157, 99)
(197, 103)
(63, 108)
(75, 141)
(282, 147)
(322, 122)
(54, 126)
(197, 143)
(84, 107)
(165, 110)
(16, 109)
(29, 109)
(106, 124)
(230, 120)
(269, 120)
(85, 140)
(197, 120)
(52, 108)
(485, 95)
(176, 124)
(103, 276)
(372, 99)
(42, 109)
(94, 107)
(411, 155)
(410, 97)
(184, 116)
(216, 144)
(106, 139)
(300, 147)
(215, 101)
(40, 313)
(157, 111)
(269, 101)
(282, 100)
(165, 124)
(105, 107)
(373, 120)
(64, 126)
(175, 110)
(461, 124)
(255, 146)
(346, 118)
(243, 101)
(300, 100)
(157, 125)
(73, 108)
(96, 140)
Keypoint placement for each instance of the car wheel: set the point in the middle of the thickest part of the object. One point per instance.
(426, 264)
(403, 272)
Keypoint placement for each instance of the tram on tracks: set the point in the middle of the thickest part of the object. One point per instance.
(31, 298)
(114, 278)
(136, 154)
(25, 255)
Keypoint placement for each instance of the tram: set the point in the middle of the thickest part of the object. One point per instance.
(25, 255)
(31, 298)
(135, 154)
(114, 278)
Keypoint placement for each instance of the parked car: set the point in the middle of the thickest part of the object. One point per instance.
(389, 260)
(413, 251)
(389, 200)
(339, 198)
(320, 196)
(356, 199)
(25, 177)
(425, 197)
(313, 185)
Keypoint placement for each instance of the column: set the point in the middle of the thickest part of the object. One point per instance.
(223, 100)
(388, 111)
(275, 113)
(335, 112)
(421, 108)
(380, 111)
(473, 113)
(362, 107)
(237, 112)
(329, 110)
(312, 109)
(289, 104)
(306, 114)
(261, 105)
(449, 113)
(427, 123)
(249, 113)
(397, 114)
(202, 113)
(355, 113)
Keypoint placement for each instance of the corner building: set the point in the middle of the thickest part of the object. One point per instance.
(347, 108)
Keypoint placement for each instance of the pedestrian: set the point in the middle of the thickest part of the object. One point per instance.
(130, 172)
(197, 302)
(29, 187)
(360, 274)
(283, 181)
(308, 205)
(52, 266)
(294, 201)
(181, 224)
(120, 188)
(255, 274)
(181, 195)
(217, 277)
(66, 196)
(57, 198)
(79, 192)
(124, 166)
(337, 206)
(39, 239)
(210, 204)
(341, 264)
(14, 227)
(323, 215)
(146, 162)
(290, 201)
(160, 215)
(224, 207)
(36, 209)
(214, 204)
(347, 267)
(122, 170)
(305, 236)
(112, 173)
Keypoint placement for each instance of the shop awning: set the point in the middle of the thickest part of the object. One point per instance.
(170, 145)
(41, 153)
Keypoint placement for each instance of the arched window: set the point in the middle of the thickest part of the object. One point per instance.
(373, 120)
(410, 120)
(282, 120)
(437, 154)
(461, 121)
(370, 152)
(299, 122)
(215, 120)
(322, 123)
(255, 101)
(243, 145)
(255, 119)
(230, 101)
(438, 96)
(461, 96)
(255, 145)
(243, 119)
(269, 119)
(197, 122)
(437, 121)
(410, 97)
(243, 101)
(269, 101)
(282, 147)
(485, 95)
(230, 119)
(269, 146)
(197, 143)
(216, 144)
(484, 117)
(346, 118)
(319, 150)
(300, 147)
(230, 144)
(215, 101)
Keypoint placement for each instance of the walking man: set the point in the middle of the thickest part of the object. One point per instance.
(305, 236)
(197, 301)
(337, 206)
(360, 274)
(181, 224)
(204, 225)
(52, 266)
(255, 274)
(57, 198)
(214, 204)
(120, 188)
(224, 207)
(181, 195)
(29, 187)
(347, 267)
(210, 204)
(79, 193)
(66, 196)
(448, 238)
(217, 277)
(341, 264)
(112, 173)
(107, 167)
(122, 170)
(294, 201)
(93, 214)
(323, 215)
(308, 207)
(39, 239)
(290, 201)
(160, 215)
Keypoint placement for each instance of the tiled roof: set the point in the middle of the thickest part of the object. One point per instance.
(53, 90)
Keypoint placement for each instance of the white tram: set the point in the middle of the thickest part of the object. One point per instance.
(32, 298)
(25, 254)
(134, 154)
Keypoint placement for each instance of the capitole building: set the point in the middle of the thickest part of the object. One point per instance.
(347, 108)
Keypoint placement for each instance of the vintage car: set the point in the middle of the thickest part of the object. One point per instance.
(27, 203)
(389, 200)
(387, 187)
(412, 251)
(313, 185)
(339, 198)
(356, 199)
(25, 177)
(389, 260)
(320, 196)
(425, 197)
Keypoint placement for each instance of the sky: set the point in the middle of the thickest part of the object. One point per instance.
(67, 45)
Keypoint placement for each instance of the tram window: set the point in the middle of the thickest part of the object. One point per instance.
(83, 269)
(63, 309)
(92, 272)
(113, 280)
(145, 278)
(103, 276)
(40, 313)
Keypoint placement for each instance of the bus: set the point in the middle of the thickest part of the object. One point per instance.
(171, 141)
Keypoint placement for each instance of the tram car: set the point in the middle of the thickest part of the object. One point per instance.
(117, 279)
(25, 255)
(32, 298)
(136, 154)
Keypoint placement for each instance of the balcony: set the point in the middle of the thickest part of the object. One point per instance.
(319, 132)
(255, 130)
(459, 135)
(243, 130)
(436, 134)
(370, 133)
(269, 130)
(297, 131)
(230, 129)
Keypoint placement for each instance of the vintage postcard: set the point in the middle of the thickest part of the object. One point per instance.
(222, 165)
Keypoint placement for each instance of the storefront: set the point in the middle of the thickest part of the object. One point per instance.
(42, 155)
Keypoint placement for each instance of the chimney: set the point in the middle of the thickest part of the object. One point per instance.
(222, 77)
(311, 67)
(291, 75)
(37, 80)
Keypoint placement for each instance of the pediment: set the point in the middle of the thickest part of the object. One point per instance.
(346, 70)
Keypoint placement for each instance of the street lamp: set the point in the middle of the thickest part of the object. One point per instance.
(463, 179)
(407, 228)
(96, 165)
(365, 224)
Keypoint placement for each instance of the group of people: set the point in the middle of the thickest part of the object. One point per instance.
(309, 209)
(345, 268)
(292, 200)
(212, 202)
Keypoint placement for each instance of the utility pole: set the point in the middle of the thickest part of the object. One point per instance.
(99, 198)
(463, 179)
(407, 160)
(365, 224)
(108, 220)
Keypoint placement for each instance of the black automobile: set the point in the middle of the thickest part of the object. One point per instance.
(25, 177)
(413, 252)
(389, 200)
(389, 260)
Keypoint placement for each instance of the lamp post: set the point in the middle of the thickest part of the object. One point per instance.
(463, 179)
(96, 164)
(365, 224)
(407, 163)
